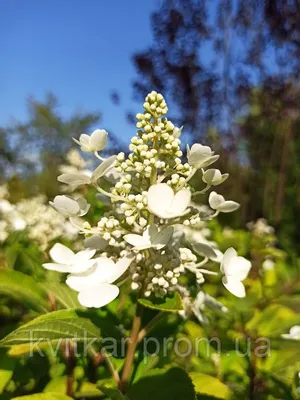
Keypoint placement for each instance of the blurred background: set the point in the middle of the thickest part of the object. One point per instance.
(229, 71)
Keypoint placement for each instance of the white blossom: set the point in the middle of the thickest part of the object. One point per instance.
(213, 177)
(70, 207)
(95, 285)
(200, 156)
(294, 333)
(218, 203)
(95, 142)
(151, 238)
(65, 260)
(235, 269)
(164, 203)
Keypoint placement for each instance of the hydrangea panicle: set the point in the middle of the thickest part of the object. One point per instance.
(143, 238)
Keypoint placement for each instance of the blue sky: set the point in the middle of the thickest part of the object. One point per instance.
(80, 50)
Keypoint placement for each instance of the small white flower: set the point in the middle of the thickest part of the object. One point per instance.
(75, 179)
(151, 237)
(18, 224)
(200, 156)
(78, 179)
(294, 333)
(65, 260)
(268, 265)
(70, 207)
(95, 285)
(164, 203)
(218, 203)
(213, 177)
(95, 142)
(5, 206)
(236, 269)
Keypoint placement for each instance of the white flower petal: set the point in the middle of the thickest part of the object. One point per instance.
(61, 254)
(215, 200)
(204, 249)
(65, 205)
(234, 286)
(83, 205)
(295, 331)
(98, 140)
(98, 296)
(137, 241)
(103, 168)
(238, 267)
(81, 267)
(119, 268)
(84, 140)
(160, 198)
(228, 255)
(74, 180)
(209, 161)
(181, 201)
(228, 206)
(200, 156)
(177, 132)
(63, 268)
(83, 255)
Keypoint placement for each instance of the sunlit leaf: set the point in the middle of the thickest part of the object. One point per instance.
(209, 385)
(24, 289)
(170, 303)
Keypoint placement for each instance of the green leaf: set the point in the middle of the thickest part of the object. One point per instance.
(65, 296)
(24, 289)
(7, 365)
(112, 392)
(44, 396)
(272, 321)
(88, 390)
(170, 303)
(174, 384)
(58, 385)
(209, 385)
(53, 327)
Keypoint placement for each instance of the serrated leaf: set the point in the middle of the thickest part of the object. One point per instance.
(44, 396)
(53, 327)
(174, 384)
(209, 385)
(7, 365)
(170, 303)
(23, 288)
(65, 296)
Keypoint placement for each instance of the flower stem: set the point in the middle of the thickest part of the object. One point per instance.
(110, 366)
(144, 332)
(136, 325)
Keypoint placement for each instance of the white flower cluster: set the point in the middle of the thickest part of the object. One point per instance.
(151, 199)
(43, 224)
